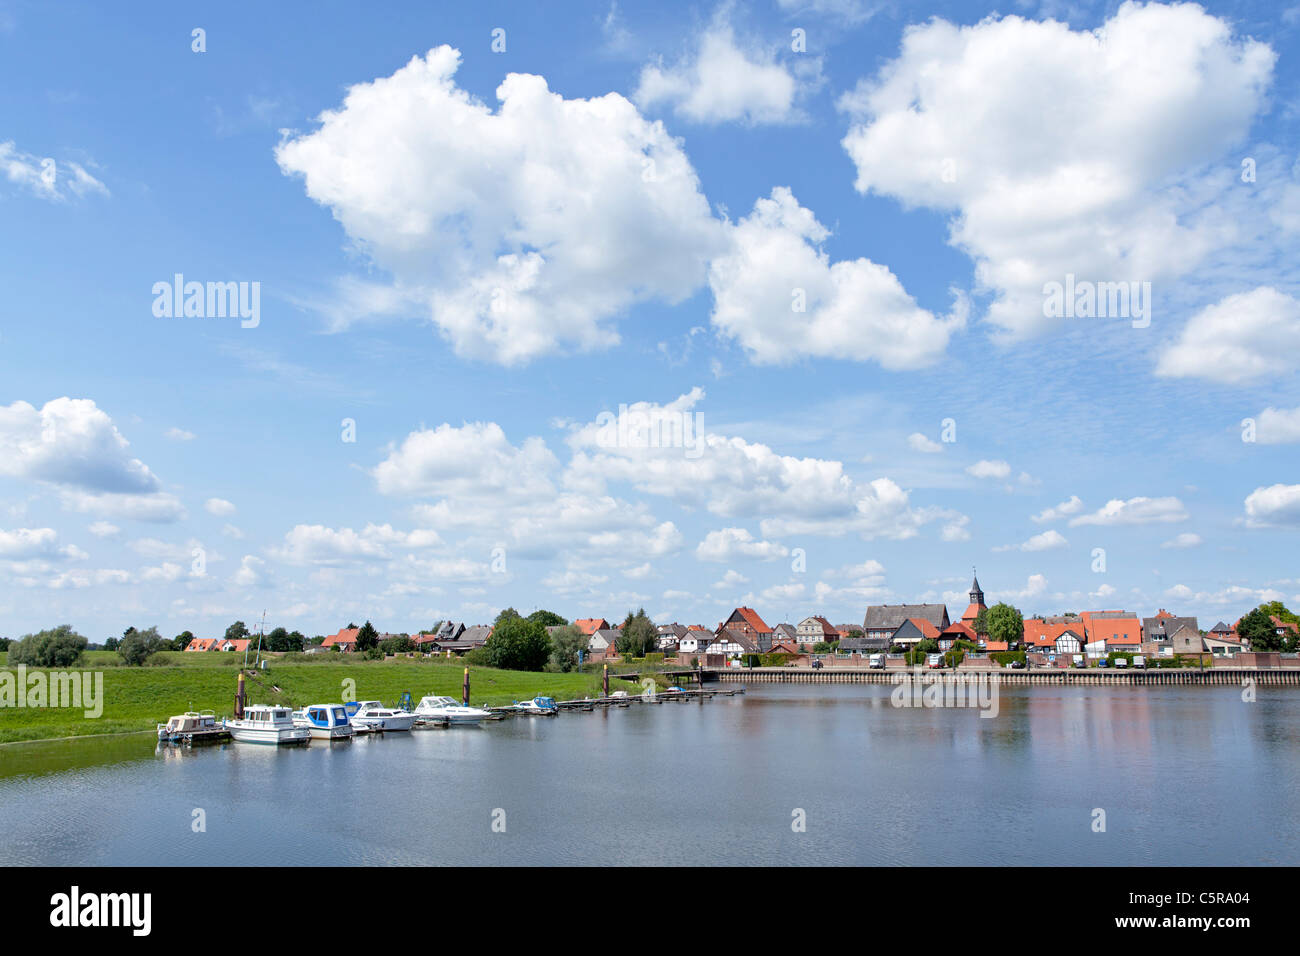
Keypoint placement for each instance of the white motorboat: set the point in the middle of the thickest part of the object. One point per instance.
(324, 721)
(192, 727)
(375, 716)
(266, 724)
(450, 710)
(537, 707)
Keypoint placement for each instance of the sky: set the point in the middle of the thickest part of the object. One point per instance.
(803, 306)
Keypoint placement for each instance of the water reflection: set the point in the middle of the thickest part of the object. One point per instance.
(712, 781)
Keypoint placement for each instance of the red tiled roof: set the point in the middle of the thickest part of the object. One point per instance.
(1039, 633)
(346, 635)
(590, 625)
(239, 644)
(925, 627)
(1112, 630)
(753, 620)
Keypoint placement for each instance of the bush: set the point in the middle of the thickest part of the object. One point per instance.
(954, 658)
(58, 647)
(1006, 657)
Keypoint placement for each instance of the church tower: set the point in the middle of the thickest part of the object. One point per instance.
(976, 602)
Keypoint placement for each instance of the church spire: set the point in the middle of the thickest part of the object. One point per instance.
(976, 595)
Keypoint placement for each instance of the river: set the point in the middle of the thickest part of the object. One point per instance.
(1187, 776)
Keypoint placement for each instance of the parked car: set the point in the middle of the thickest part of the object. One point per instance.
(1018, 663)
(817, 663)
(1139, 662)
(1121, 662)
(1079, 661)
(934, 660)
(1102, 662)
(876, 661)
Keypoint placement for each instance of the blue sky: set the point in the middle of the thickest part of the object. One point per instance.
(472, 255)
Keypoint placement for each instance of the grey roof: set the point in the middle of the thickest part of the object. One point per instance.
(476, 634)
(609, 635)
(786, 632)
(675, 629)
(730, 634)
(891, 615)
(864, 644)
(1221, 628)
(1163, 628)
(449, 630)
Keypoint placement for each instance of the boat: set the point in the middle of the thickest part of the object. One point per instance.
(449, 709)
(192, 727)
(537, 707)
(373, 714)
(324, 721)
(266, 724)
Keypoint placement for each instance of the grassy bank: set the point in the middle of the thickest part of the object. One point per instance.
(137, 698)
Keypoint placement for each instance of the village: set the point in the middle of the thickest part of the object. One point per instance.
(890, 635)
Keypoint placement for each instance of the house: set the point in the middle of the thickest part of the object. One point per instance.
(1223, 632)
(202, 644)
(815, 630)
(344, 640)
(784, 645)
(882, 620)
(1187, 640)
(957, 631)
(696, 639)
(604, 642)
(862, 645)
(913, 631)
(1222, 646)
(784, 634)
(670, 636)
(1284, 629)
(235, 645)
(590, 625)
(746, 621)
(1054, 637)
(1107, 631)
(732, 641)
(1163, 626)
(449, 631)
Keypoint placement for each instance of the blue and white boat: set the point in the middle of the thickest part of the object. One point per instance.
(325, 721)
(537, 707)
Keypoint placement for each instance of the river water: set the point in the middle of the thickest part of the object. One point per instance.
(1188, 776)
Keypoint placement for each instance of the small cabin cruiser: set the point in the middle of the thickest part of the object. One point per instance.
(325, 721)
(374, 715)
(538, 707)
(267, 724)
(450, 710)
(192, 727)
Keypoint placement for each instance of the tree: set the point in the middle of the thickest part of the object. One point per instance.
(236, 631)
(981, 625)
(138, 646)
(518, 644)
(506, 615)
(57, 647)
(565, 645)
(1005, 624)
(282, 641)
(397, 645)
(367, 637)
(179, 642)
(112, 643)
(547, 618)
(638, 635)
(1255, 626)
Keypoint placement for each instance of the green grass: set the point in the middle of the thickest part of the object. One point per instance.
(137, 698)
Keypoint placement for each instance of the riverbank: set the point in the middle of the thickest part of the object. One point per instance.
(138, 698)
